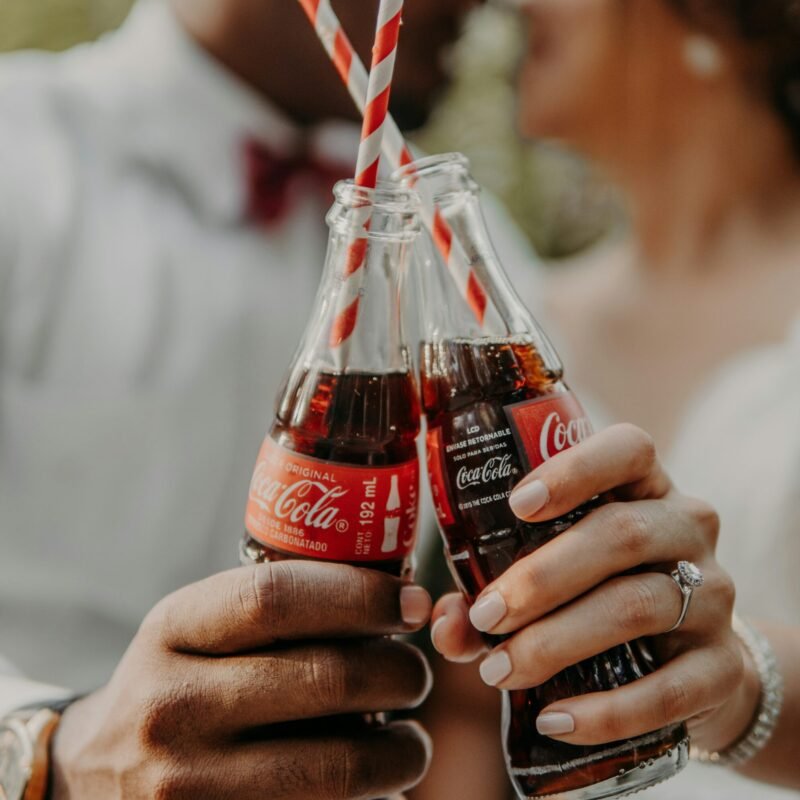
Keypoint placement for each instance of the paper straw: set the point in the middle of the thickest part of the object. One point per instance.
(354, 75)
(379, 88)
(384, 56)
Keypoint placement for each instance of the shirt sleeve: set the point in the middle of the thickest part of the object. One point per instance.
(37, 200)
(17, 692)
(35, 187)
(8, 227)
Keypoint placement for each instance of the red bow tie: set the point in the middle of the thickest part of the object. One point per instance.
(270, 177)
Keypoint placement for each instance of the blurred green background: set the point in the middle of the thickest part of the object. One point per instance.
(56, 24)
(556, 198)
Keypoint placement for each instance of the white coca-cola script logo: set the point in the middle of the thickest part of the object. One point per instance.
(304, 502)
(558, 435)
(494, 469)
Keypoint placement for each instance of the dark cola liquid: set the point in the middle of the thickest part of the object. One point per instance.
(363, 419)
(472, 392)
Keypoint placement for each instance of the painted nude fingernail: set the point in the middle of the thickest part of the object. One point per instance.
(415, 605)
(528, 499)
(555, 724)
(435, 630)
(488, 612)
(496, 668)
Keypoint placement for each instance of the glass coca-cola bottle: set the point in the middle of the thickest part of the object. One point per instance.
(337, 478)
(497, 407)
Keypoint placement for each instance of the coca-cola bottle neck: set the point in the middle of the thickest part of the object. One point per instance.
(371, 233)
(337, 475)
(448, 311)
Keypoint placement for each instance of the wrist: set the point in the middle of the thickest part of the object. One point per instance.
(68, 741)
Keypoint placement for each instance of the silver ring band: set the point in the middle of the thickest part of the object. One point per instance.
(687, 577)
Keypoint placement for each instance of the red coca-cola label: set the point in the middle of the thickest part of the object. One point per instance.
(331, 511)
(547, 426)
(477, 456)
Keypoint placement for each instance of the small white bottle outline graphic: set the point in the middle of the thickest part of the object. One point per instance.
(391, 524)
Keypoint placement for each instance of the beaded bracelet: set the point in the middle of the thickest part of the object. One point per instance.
(765, 721)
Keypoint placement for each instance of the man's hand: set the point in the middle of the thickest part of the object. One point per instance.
(221, 691)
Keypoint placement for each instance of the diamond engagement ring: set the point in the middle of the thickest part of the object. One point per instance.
(688, 577)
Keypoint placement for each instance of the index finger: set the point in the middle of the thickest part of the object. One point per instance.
(254, 607)
(621, 459)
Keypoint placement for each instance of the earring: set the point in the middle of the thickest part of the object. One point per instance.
(703, 56)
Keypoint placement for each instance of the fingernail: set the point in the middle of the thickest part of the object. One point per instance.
(496, 668)
(528, 499)
(427, 741)
(435, 629)
(488, 611)
(555, 724)
(415, 605)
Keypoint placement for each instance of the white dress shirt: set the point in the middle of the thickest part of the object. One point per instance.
(145, 327)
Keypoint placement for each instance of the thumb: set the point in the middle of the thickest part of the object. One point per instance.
(452, 633)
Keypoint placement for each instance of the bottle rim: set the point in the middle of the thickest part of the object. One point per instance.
(437, 168)
(388, 199)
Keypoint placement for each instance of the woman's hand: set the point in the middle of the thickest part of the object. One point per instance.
(577, 596)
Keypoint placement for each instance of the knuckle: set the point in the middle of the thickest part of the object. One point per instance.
(531, 573)
(630, 529)
(536, 654)
(254, 600)
(635, 606)
(705, 517)
(676, 701)
(581, 468)
(362, 597)
(567, 470)
(288, 774)
(726, 591)
(166, 719)
(610, 726)
(159, 623)
(173, 784)
(733, 671)
(641, 447)
(347, 772)
(334, 678)
(719, 597)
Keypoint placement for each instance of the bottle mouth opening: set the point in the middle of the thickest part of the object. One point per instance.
(391, 209)
(428, 164)
(387, 198)
(446, 174)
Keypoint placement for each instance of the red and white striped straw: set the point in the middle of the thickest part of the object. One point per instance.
(379, 88)
(354, 75)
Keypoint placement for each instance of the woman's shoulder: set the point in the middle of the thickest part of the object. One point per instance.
(762, 380)
(746, 418)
